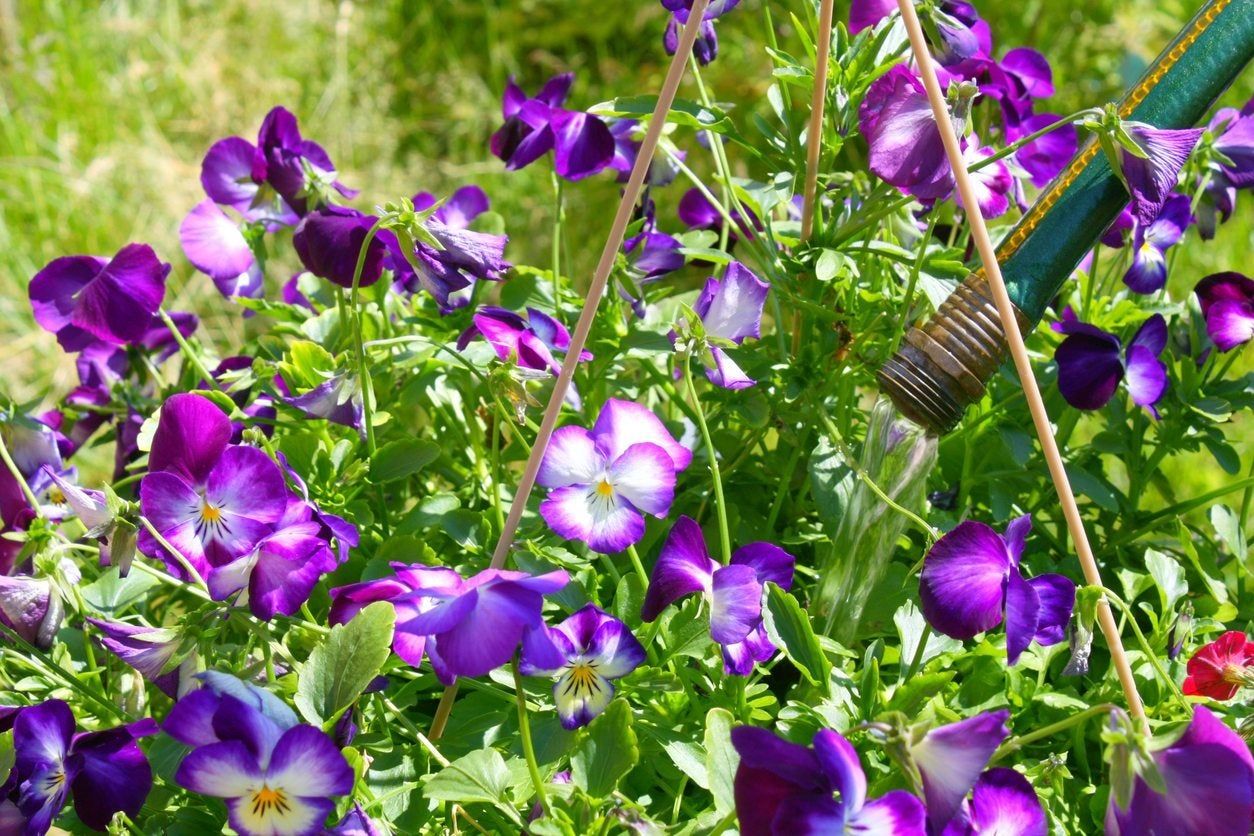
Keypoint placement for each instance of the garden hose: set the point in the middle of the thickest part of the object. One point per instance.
(945, 362)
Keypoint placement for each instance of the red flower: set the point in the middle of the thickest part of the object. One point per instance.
(1219, 669)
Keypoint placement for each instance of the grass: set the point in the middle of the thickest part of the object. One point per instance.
(106, 109)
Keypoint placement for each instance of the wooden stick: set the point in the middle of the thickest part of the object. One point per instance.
(818, 101)
(579, 338)
(1018, 351)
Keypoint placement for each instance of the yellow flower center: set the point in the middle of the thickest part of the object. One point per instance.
(583, 678)
(605, 489)
(266, 800)
(210, 513)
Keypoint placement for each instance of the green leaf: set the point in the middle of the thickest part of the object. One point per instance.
(1227, 525)
(789, 627)
(831, 481)
(7, 755)
(111, 593)
(481, 775)
(399, 459)
(683, 112)
(721, 759)
(607, 753)
(1168, 575)
(341, 667)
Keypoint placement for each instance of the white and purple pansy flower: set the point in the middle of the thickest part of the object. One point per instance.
(785, 789)
(950, 758)
(993, 183)
(279, 574)
(1003, 802)
(215, 245)
(581, 143)
(82, 298)
(212, 501)
(584, 655)
(277, 777)
(731, 309)
(105, 772)
(1092, 362)
(1207, 778)
(1151, 174)
(1150, 242)
(971, 582)
(1227, 302)
(734, 592)
(601, 482)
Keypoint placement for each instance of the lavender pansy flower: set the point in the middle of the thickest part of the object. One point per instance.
(731, 309)
(529, 342)
(1208, 778)
(329, 242)
(584, 655)
(1233, 133)
(582, 144)
(105, 772)
(211, 501)
(734, 592)
(1091, 363)
(602, 481)
(784, 789)
(950, 758)
(411, 590)
(80, 297)
(31, 607)
(1151, 174)
(155, 652)
(216, 246)
(905, 144)
(476, 624)
(1003, 802)
(1150, 242)
(971, 582)
(1227, 301)
(276, 778)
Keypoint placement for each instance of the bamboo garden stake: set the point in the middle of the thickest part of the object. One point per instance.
(627, 205)
(1019, 352)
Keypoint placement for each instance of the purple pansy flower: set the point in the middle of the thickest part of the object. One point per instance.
(105, 772)
(279, 573)
(36, 450)
(971, 581)
(1091, 363)
(81, 297)
(731, 309)
(1233, 133)
(466, 256)
(1043, 158)
(529, 342)
(329, 242)
(734, 592)
(993, 183)
(357, 823)
(950, 759)
(584, 654)
(152, 651)
(602, 481)
(276, 776)
(697, 212)
(31, 607)
(411, 591)
(1208, 777)
(1150, 242)
(784, 789)
(212, 501)
(1227, 301)
(704, 48)
(216, 246)
(1002, 802)
(338, 399)
(582, 144)
(863, 14)
(1152, 178)
(662, 171)
(962, 34)
(905, 144)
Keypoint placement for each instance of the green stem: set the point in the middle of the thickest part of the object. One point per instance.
(50, 667)
(559, 218)
(21, 480)
(1016, 743)
(1035, 135)
(719, 502)
(524, 734)
(918, 653)
(367, 387)
(175, 553)
(637, 564)
(1149, 653)
(915, 269)
(191, 356)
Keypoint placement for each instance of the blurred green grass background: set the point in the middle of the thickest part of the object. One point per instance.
(106, 109)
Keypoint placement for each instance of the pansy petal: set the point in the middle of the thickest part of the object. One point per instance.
(190, 721)
(950, 759)
(583, 145)
(895, 813)
(624, 423)
(52, 290)
(490, 632)
(1147, 376)
(581, 694)
(306, 762)
(770, 562)
(645, 475)
(113, 776)
(840, 761)
(303, 816)
(226, 173)
(607, 524)
(41, 735)
(1089, 369)
(248, 483)
(725, 372)
(740, 657)
(221, 770)
(570, 459)
(240, 721)
(1004, 802)
(961, 585)
(1022, 615)
(213, 242)
(731, 307)
(118, 303)
(1056, 597)
(615, 649)
(735, 603)
(683, 567)
(191, 435)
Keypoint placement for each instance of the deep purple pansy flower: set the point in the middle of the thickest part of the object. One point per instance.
(105, 772)
(216, 246)
(32, 608)
(1003, 802)
(950, 759)
(1091, 362)
(152, 651)
(337, 399)
(276, 776)
(697, 212)
(731, 309)
(212, 501)
(529, 342)
(662, 170)
(971, 581)
(329, 242)
(785, 789)
(1150, 242)
(602, 481)
(905, 144)
(734, 592)
(582, 144)
(1227, 301)
(1043, 158)
(1152, 178)
(81, 297)
(584, 655)
(704, 48)
(1208, 777)
(410, 590)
